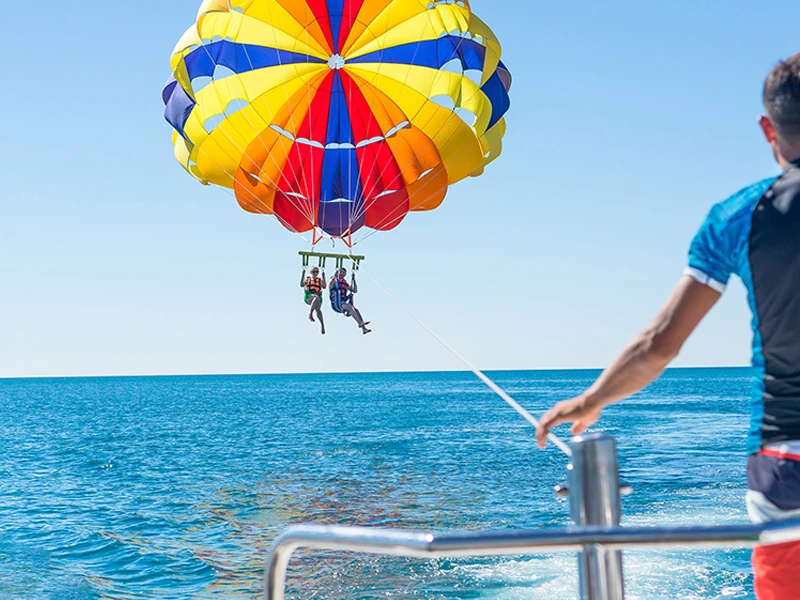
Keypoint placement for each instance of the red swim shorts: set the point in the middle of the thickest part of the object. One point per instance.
(777, 572)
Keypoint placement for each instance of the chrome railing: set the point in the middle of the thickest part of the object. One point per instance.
(598, 538)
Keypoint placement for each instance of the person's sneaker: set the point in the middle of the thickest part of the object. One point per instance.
(365, 331)
(311, 318)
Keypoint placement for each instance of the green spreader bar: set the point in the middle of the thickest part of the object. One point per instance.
(322, 258)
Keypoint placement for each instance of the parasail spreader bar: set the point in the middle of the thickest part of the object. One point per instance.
(321, 259)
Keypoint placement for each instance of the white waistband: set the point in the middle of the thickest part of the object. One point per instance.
(791, 447)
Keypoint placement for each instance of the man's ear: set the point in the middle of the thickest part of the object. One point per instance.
(769, 129)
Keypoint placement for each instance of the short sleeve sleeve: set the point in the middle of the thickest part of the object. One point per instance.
(719, 249)
(712, 258)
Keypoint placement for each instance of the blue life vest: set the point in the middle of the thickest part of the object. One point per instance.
(340, 294)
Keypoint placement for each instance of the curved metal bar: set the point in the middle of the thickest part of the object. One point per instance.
(430, 545)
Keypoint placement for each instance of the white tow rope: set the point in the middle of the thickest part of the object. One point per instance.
(479, 374)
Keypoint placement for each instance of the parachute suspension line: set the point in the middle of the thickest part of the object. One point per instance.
(277, 220)
(480, 374)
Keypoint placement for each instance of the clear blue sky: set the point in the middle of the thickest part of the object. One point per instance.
(629, 120)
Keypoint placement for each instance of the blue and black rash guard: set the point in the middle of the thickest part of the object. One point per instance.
(755, 234)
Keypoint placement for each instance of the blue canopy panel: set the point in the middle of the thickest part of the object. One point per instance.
(431, 53)
(341, 195)
(496, 91)
(505, 75)
(179, 106)
(335, 12)
(239, 58)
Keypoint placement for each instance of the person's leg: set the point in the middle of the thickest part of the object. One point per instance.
(353, 312)
(774, 495)
(360, 318)
(316, 307)
(310, 301)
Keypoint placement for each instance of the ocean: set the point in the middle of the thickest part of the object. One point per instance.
(175, 487)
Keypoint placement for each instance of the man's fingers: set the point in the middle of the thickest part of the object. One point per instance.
(541, 437)
(541, 433)
(579, 427)
(571, 411)
(549, 420)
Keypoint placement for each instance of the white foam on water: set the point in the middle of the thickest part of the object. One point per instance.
(648, 576)
(542, 578)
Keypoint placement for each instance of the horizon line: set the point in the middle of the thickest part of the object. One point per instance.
(298, 373)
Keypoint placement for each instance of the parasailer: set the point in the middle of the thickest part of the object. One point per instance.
(342, 298)
(313, 287)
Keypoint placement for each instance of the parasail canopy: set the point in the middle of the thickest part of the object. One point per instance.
(337, 115)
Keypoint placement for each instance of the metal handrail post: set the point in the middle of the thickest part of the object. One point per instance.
(594, 492)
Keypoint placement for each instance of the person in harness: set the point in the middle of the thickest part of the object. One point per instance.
(313, 287)
(341, 294)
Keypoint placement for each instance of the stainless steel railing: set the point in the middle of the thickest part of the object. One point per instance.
(593, 478)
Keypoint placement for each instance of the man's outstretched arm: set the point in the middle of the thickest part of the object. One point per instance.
(641, 362)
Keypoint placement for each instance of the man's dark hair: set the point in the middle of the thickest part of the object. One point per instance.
(782, 97)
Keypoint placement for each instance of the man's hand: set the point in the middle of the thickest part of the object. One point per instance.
(642, 361)
(577, 411)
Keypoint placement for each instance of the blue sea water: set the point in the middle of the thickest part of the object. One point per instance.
(175, 487)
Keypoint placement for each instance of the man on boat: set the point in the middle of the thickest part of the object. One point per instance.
(313, 287)
(755, 235)
(341, 294)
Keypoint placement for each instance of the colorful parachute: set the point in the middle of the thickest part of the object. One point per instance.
(335, 115)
